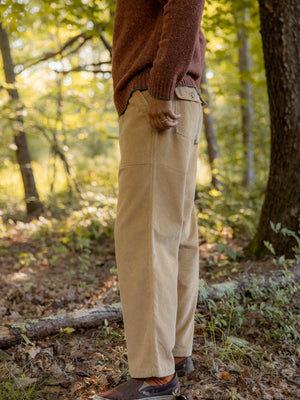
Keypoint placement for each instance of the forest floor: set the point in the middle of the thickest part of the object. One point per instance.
(41, 276)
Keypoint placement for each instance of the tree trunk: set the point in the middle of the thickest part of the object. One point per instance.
(211, 137)
(280, 30)
(33, 204)
(246, 98)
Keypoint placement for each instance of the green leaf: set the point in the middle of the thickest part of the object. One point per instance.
(270, 247)
(27, 340)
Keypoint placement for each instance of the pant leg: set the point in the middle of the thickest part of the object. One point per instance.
(188, 265)
(151, 218)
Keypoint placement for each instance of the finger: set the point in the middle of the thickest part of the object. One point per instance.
(172, 115)
(169, 122)
(166, 124)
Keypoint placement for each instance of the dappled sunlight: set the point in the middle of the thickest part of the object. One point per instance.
(19, 277)
(203, 172)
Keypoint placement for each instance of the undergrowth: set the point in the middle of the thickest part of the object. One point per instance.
(233, 213)
(13, 388)
(274, 305)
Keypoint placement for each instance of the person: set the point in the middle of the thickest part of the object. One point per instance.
(158, 56)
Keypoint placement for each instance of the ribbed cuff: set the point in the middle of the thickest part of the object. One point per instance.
(161, 88)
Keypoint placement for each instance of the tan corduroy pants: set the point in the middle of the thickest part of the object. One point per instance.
(156, 233)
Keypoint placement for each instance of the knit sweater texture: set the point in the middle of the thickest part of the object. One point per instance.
(157, 45)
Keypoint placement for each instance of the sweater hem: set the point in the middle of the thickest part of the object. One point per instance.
(141, 82)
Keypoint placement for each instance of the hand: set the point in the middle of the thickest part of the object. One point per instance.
(161, 115)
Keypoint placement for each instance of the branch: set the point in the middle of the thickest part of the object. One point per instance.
(83, 37)
(58, 152)
(87, 67)
(105, 42)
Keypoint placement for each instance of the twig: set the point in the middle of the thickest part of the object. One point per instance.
(105, 42)
(248, 268)
(87, 67)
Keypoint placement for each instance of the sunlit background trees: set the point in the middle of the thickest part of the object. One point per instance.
(58, 96)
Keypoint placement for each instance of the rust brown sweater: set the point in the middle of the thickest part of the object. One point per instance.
(157, 45)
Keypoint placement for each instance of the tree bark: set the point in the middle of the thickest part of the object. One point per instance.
(280, 30)
(211, 137)
(33, 204)
(246, 98)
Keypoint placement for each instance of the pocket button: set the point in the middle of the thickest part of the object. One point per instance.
(193, 95)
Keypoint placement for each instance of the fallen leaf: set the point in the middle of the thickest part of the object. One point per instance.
(225, 376)
(286, 391)
(55, 370)
(245, 374)
(33, 352)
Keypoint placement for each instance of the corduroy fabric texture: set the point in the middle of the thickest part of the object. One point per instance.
(156, 233)
(158, 45)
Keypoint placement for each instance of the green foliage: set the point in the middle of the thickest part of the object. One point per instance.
(3, 248)
(70, 115)
(226, 215)
(220, 29)
(275, 304)
(25, 260)
(10, 390)
(98, 183)
(76, 232)
(278, 308)
(63, 332)
(224, 315)
(228, 347)
(82, 229)
(286, 232)
(69, 110)
(230, 254)
(111, 334)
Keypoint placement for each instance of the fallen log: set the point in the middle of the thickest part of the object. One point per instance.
(247, 284)
(11, 333)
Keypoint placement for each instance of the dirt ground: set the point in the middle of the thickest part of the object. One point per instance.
(80, 364)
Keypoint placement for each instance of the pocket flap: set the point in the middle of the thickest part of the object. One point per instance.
(187, 93)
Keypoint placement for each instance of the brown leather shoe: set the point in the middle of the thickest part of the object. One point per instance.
(138, 389)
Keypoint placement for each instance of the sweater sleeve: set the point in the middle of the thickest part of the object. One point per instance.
(180, 31)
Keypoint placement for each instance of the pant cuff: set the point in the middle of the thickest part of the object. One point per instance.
(149, 373)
